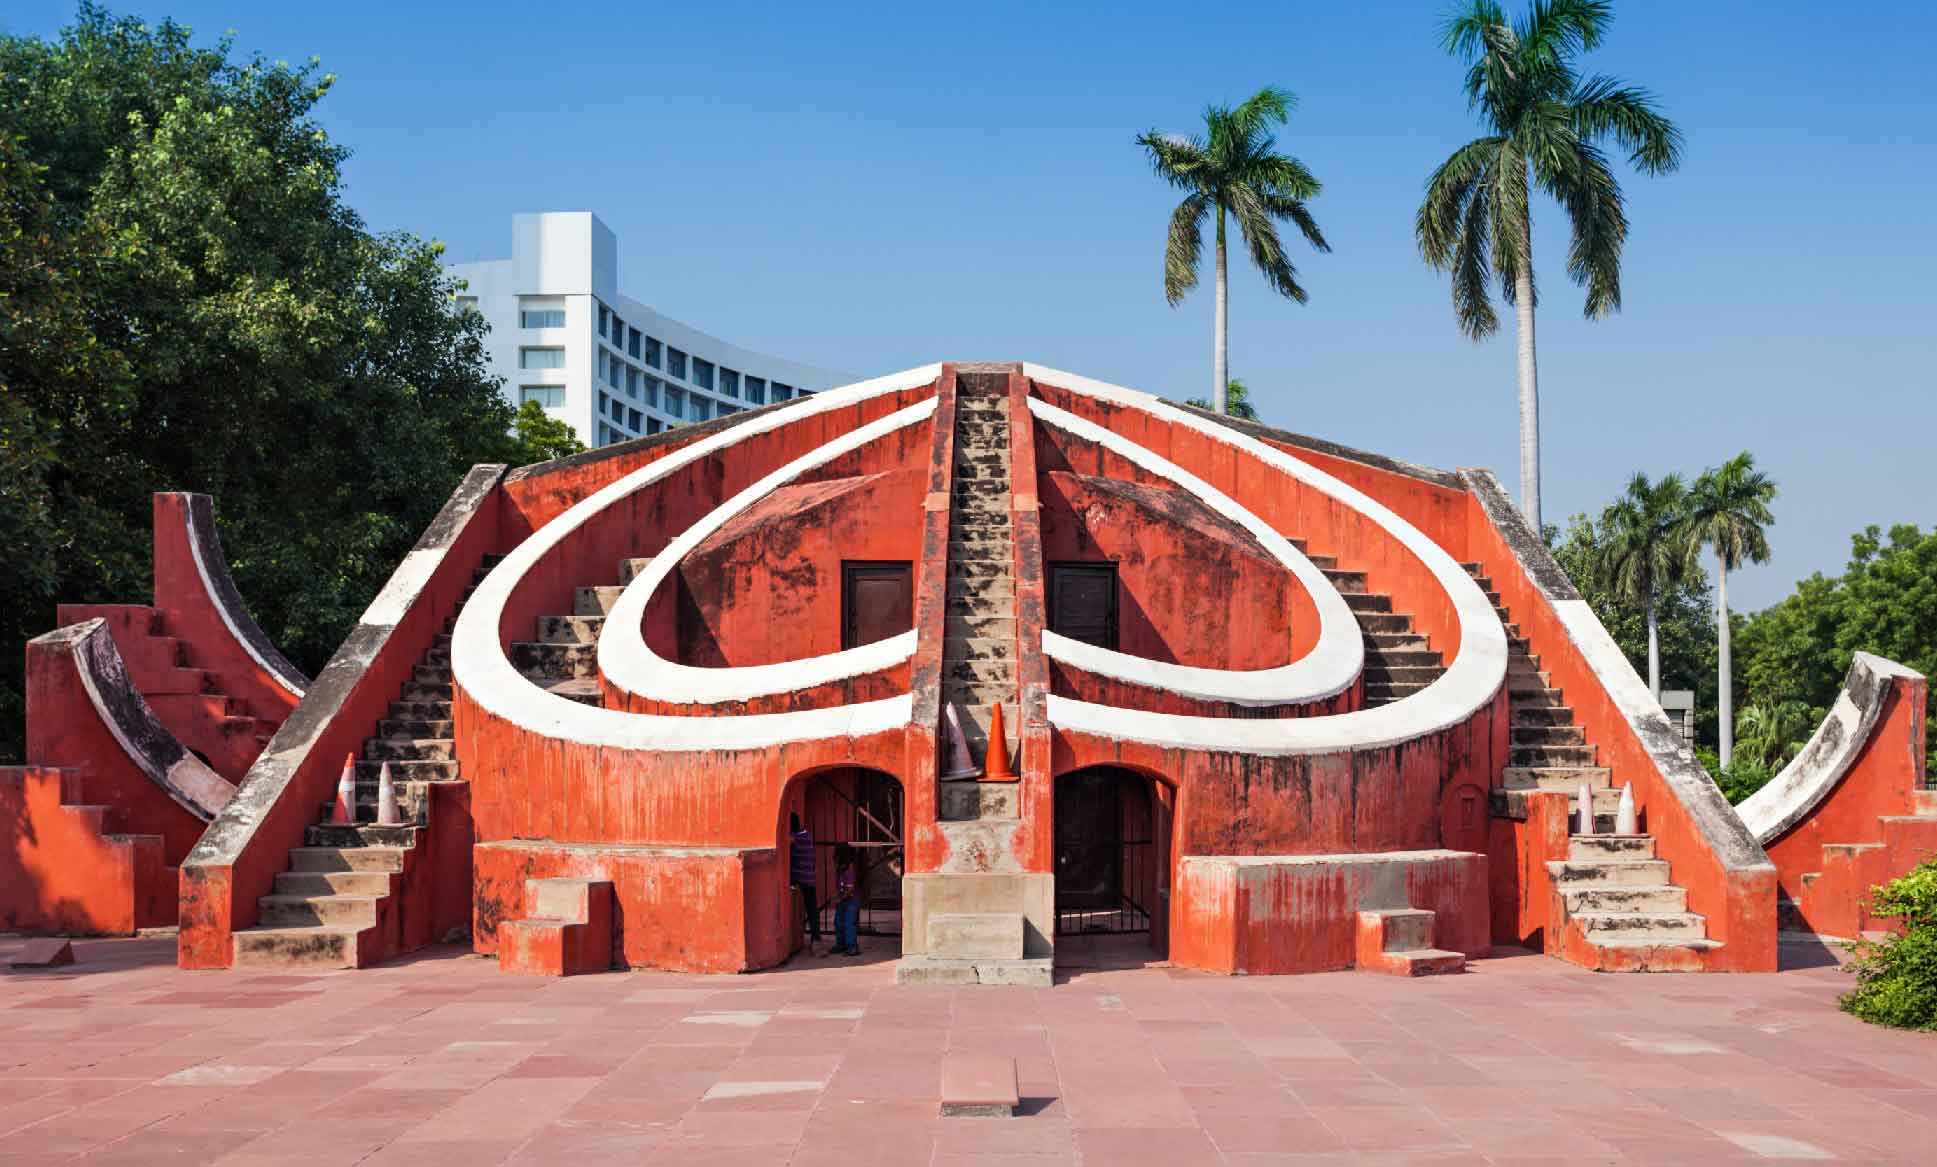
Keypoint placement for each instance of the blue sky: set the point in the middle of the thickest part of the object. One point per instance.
(873, 188)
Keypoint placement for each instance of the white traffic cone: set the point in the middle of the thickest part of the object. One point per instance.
(387, 815)
(960, 765)
(345, 810)
(1586, 810)
(1625, 820)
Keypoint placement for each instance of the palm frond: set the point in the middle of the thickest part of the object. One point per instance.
(1183, 246)
(1603, 107)
(1261, 239)
(1512, 222)
(1600, 228)
(1436, 226)
(1560, 29)
(1180, 160)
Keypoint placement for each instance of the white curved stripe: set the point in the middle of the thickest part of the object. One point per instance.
(1327, 670)
(1812, 775)
(1469, 682)
(629, 662)
(479, 664)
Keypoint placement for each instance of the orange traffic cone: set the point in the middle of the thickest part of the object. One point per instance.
(996, 764)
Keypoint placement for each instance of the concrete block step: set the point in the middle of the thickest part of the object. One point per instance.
(417, 691)
(980, 672)
(1035, 972)
(1367, 601)
(998, 568)
(982, 551)
(431, 674)
(1345, 581)
(1589, 873)
(1601, 847)
(1387, 642)
(961, 625)
(335, 911)
(975, 699)
(291, 948)
(1387, 660)
(1531, 699)
(415, 728)
(554, 661)
(1542, 756)
(1625, 898)
(631, 569)
(1547, 735)
(969, 801)
(421, 709)
(1424, 962)
(978, 647)
(584, 690)
(976, 935)
(362, 836)
(980, 520)
(569, 629)
(1406, 928)
(981, 589)
(594, 601)
(1384, 694)
(329, 883)
(401, 749)
(407, 770)
(1642, 925)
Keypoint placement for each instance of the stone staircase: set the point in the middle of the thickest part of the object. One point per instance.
(1398, 660)
(1610, 888)
(1399, 942)
(1835, 901)
(338, 904)
(563, 659)
(979, 626)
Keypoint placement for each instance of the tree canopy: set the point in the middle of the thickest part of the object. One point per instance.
(190, 304)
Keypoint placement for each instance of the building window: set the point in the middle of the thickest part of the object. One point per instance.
(632, 341)
(541, 358)
(781, 392)
(652, 425)
(675, 401)
(676, 362)
(702, 409)
(652, 352)
(541, 318)
(632, 383)
(729, 382)
(605, 318)
(652, 392)
(632, 418)
(726, 409)
(702, 373)
(549, 396)
(756, 390)
(618, 333)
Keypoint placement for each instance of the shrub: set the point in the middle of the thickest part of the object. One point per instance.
(1896, 977)
(1743, 777)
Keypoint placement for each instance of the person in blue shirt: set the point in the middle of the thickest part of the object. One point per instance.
(847, 903)
(800, 874)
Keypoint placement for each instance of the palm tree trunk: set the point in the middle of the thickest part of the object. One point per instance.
(1725, 699)
(1220, 339)
(1529, 380)
(1654, 650)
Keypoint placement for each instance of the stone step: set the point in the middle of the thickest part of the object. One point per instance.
(584, 690)
(631, 569)
(1596, 848)
(1548, 735)
(439, 658)
(1383, 621)
(993, 471)
(331, 911)
(990, 551)
(980, 672)
(1642, 925)
(1033, 972)
(594, 601)
(1407, 928)
(969, 569)
(1322, 562)
(1345, 581)
(415, 728)
(966, 801)
(1425, 962)
(362, 836)
(1389, 642)
(569, 629)
(979, 521)
(1379, 674)
(1566, 779)
(328, 883)
(977, 648)
(1367, 601)
(1580, 874)
(422, 691)
(957, 625)
(284, 948)
(554, 661)
(975, 935)
(1519, 755)
(1535, 715)
(975, 699)
(1390, 659)
(1663, 898)
(1519, 699)
(406, 749)
(406, 770)
(982, 589)
(422, 709)
(1381, 693)
(431, 674)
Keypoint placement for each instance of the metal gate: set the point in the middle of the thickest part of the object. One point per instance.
(1106, 852)
(860, 809)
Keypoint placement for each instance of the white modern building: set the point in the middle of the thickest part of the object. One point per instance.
(612, 368)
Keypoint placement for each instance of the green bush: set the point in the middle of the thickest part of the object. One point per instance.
(1896, 977)
(1743, 776)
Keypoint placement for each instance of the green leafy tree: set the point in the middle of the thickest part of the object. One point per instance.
(1896, 977)
(536, 436)
(1234, 169)
(190, 304)
(1771, 733)
(1545, 124)
(1237, 401)
(1642, 557)
(1726, 511)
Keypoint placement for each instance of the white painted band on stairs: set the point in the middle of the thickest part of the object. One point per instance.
(1471, 680)
(481, 668)
(1327, 670)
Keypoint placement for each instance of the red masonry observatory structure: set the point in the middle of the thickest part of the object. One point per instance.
(1045, 657)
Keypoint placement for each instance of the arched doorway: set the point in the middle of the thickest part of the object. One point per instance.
(1112, 855)
(860, 809)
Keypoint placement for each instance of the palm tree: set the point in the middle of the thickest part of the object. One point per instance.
(1231, 169)
(1726, 510)
(1775, 732)
(1237, 400)
(1546, 126)
(1643, 555)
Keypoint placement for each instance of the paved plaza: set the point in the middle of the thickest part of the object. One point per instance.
(442, 1059)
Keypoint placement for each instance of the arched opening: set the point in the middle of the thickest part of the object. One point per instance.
(1112, 855)
(857, 810)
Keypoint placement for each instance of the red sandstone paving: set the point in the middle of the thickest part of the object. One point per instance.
(123, 1059)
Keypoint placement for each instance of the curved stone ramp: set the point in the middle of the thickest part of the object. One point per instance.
(218, 592)
(1471, 681)
(631, 666)
(1330, 668)
(1852, 810)
(486, 675)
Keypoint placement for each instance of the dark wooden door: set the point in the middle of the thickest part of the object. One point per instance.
(1082, 602)
(877, 601)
